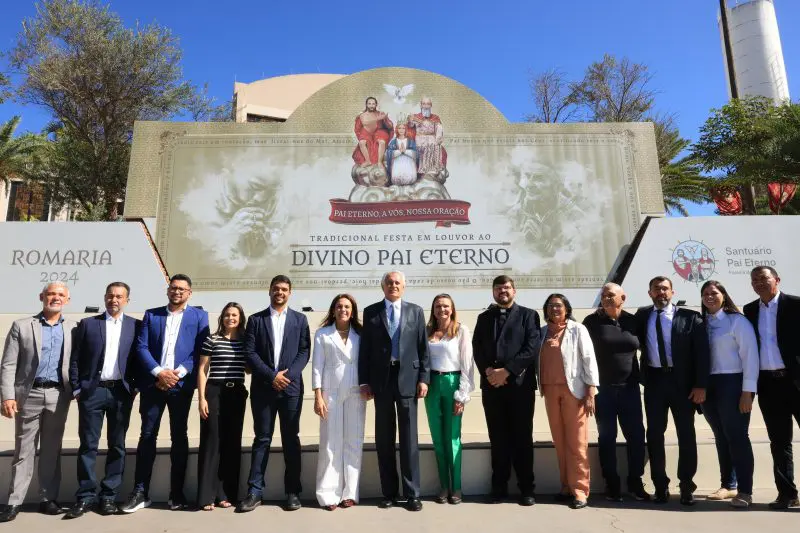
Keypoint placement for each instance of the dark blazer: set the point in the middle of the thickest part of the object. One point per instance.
(150, 342)
(788, 331)
(294, 354)
(691, 355)
(89, 351)
(375, 352)
(517, 349)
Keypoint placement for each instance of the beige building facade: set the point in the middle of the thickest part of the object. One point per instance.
(274, 99)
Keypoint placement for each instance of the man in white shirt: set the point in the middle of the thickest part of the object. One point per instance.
(98, 367)
(675, 366)
(277, 344)
(167, 348)
(775, 316)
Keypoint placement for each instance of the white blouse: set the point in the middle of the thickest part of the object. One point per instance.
(455, 354)
(734, 348)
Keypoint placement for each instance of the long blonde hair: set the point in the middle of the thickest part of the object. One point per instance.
(452, 331)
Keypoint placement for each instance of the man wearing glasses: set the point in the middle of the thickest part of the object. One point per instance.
(166, 348)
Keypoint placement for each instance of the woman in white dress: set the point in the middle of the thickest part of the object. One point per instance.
(450, 349)
(401, 158)
(338, 403)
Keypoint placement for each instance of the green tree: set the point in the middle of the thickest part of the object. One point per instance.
(749, 143)
(681, 178)
(17, 154)
(96, 77)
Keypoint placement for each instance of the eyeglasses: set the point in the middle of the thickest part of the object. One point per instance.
(179, 290)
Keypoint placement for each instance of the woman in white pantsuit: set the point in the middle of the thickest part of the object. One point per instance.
(337, 401)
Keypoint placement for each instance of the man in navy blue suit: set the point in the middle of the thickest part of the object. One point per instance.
(277, 344)
(99, 373)
(167, 348)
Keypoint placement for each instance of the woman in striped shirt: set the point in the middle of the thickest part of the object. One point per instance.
(223, 396)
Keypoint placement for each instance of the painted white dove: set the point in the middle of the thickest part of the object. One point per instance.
(399, 93)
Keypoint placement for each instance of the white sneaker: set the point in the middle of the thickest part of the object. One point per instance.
(742, 501)
(722, 494)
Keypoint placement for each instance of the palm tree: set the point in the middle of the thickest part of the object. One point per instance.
(681, 179)
(16, 153)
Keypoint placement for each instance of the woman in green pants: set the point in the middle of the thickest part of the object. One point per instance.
(450, 349)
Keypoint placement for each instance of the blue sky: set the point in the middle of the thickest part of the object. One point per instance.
(489, 46)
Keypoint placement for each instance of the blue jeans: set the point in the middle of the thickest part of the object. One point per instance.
(621, 402)
(115, 405)
(730, 428)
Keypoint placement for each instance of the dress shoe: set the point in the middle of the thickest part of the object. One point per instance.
(687, 498)
(496, 497)
(346, 504)
(614, 495)
(248, 504)
(455, 499)
(10, 513)
(662, 496)
(782, 502)
(387, 503)
(414, 504)
(79, 509)
(640, 494)
(50, 507)
(107, 507)
(441, 498)
(742, 500)
(292, 502)
(526, 500)
(137, 500)
(578, 504)
(722, 493)
(177, 502)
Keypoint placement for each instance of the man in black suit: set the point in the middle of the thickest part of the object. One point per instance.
(506, 349)
(675, 367)
(277, 343)
(99, 372)
(393, 369)
(776, 319)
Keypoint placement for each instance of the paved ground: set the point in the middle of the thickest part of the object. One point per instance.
(601, 517)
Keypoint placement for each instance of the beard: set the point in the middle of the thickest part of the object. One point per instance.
(426, 113)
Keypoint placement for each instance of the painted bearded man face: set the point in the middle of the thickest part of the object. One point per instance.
(425, 107)
(372, 104)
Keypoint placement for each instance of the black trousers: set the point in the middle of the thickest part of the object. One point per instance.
(395, 413)
(266, 405)
(779, 400)
(220, 456)
(509, 419)
(113, 404)
(661, 396)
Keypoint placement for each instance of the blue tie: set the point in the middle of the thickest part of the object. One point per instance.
(393, 321)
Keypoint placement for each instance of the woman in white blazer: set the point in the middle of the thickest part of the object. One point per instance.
(338, 403)
(568, 381)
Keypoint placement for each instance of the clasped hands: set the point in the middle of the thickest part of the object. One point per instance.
(167, 379)
(281, 381)
(497, 376)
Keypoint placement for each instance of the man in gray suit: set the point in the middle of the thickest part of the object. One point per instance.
(35, 391)
(393, 368)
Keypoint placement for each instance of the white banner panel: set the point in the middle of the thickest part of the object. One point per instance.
(86, 256)
(692, 250)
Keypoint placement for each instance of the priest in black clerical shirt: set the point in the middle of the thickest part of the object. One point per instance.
(505, 346)
(613, 333)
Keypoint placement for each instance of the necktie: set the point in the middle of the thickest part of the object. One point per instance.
(393, 320)
(501, 321)
(662, 351)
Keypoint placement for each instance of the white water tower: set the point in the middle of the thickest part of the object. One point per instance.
(757, 55)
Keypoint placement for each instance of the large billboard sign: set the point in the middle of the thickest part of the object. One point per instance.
(393, 169)
(693, 250)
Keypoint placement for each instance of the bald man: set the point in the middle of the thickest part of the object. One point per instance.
(613, 333)
(35, 392)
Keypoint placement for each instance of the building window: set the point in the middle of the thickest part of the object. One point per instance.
(27, 202)
(261, 118)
